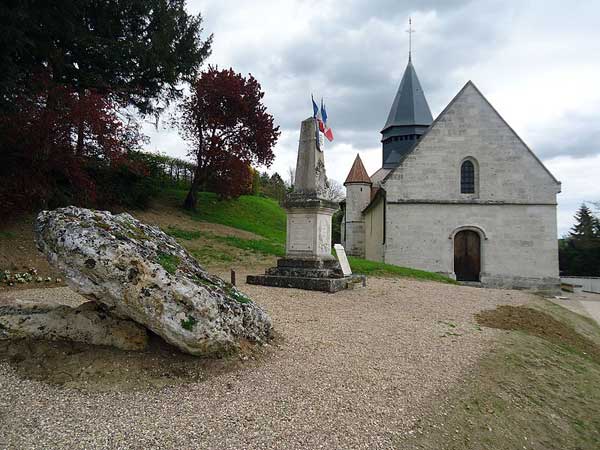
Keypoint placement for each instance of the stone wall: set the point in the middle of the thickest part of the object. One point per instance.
(514, 204)
(519, 247)
(358, 196)
(374, 228)
(470, 128)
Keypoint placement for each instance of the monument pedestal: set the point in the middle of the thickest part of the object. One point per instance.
(308, 263)
(313, 275)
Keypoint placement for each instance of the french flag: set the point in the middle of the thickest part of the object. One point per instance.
(322, 119)
(328, 132)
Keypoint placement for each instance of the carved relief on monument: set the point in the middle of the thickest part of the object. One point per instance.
(324, 241)
(321, 178)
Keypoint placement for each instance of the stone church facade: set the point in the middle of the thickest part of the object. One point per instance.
(462, 195)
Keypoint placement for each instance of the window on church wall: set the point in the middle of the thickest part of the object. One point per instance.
(467, 177)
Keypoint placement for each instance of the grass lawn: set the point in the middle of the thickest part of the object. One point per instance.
(259, 215)
(380, 269)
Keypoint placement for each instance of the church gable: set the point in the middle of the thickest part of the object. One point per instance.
(471, 154)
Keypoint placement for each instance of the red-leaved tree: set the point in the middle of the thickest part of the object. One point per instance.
(52, 141)
(228, 129)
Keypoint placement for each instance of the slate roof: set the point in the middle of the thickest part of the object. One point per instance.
(358, 173)
(410, 106)
(379, 175)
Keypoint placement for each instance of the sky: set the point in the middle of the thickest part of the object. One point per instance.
(536, 62)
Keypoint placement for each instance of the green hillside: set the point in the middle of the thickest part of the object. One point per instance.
(264, 217)
(259, 215)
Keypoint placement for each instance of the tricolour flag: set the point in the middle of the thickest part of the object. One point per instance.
(328, 132)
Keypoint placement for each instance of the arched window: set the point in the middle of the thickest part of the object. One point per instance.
(467, 177)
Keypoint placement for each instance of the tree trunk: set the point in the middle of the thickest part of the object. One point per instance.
(80, 127)
(192, 197)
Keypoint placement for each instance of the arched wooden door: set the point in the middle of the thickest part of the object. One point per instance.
(467, 255)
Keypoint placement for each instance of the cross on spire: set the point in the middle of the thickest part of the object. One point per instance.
(410, 31)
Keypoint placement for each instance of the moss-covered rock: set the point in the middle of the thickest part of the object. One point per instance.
(141, 273)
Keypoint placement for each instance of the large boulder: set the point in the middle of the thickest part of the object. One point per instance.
(139, 272)
(88, 323)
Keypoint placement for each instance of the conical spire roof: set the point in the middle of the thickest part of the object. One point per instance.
(358, 173)
(410, 106)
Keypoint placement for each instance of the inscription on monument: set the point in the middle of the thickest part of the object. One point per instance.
(343, 259)
(301, 234)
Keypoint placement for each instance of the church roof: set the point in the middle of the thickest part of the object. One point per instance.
(380, 175)
(469, 84)
(358, 173)
(410, 106)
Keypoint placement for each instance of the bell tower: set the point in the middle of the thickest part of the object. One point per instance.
(409, 116)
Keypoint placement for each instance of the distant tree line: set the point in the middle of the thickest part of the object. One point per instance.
(579, 252)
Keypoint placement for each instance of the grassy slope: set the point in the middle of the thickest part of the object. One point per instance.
(530, 393)
(259, 215)
(264, 217)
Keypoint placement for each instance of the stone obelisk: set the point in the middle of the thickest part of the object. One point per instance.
(308, 212)
(308, 263)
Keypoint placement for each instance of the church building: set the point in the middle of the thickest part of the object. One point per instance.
(461, 195)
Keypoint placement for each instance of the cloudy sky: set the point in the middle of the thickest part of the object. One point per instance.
(538, 62)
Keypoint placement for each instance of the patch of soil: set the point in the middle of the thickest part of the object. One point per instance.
(18, 253)
(94, 368)
(540, 324)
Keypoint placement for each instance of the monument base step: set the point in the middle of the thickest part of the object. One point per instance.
(302, 272)
(311, 284)
(315, 263)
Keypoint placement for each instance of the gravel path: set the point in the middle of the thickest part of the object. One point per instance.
(355, 370)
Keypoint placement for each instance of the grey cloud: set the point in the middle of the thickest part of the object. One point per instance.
(356, 59)
(358, 66)
(579, 139)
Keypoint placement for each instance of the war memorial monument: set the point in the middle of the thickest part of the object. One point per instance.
(308, 262)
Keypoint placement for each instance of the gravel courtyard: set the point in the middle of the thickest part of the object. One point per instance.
(350, 370)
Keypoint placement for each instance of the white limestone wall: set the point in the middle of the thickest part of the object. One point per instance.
(470, 128)
(519, 249)
(358, 196)
(374, 228)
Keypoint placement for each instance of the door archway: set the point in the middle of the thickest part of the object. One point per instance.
(467, 255)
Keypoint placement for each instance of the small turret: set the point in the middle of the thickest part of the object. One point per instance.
(358, 195)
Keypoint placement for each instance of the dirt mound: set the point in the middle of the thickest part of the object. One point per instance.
(540, 324)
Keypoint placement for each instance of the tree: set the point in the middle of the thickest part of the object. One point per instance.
(38, 162)
(136, 51)
(291, 176)
(336, 227)
(225, 123)
(273, 186)
(69, 71)
(586, 226)
(579, 252)
(334, 191)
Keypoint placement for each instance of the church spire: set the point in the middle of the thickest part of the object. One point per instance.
(409, 115)
(410, 106)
